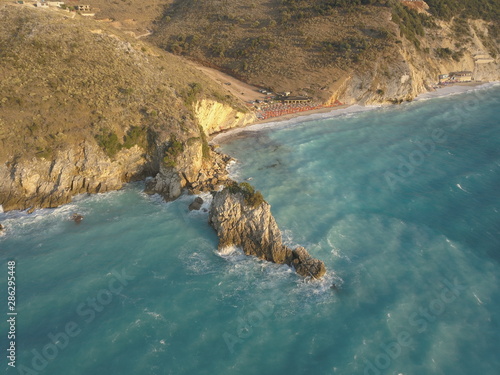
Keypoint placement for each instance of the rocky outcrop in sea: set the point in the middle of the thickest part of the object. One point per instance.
(242, 218)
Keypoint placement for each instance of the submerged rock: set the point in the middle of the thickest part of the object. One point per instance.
(196, 204)
(242, 218)
(77, 218)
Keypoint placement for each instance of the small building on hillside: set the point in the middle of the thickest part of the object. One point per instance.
(55, 3)
(294, 99)
(464, 76)
(485, 61)
(444, 78)
(83, 8)
(483, 58)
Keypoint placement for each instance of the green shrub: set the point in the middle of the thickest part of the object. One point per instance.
(45, 153)
(168, 161)
(444, 53)
(411, 23)
(174, 149)
(126, 90)
(204, 144)
(488, 10)
(192, 93)
(252, 198)
(134, 136)
(109, 143)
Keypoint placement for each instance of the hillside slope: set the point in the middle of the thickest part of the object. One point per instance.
(85, 108)
(356, 51)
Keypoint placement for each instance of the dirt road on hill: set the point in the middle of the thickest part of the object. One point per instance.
(236, 87)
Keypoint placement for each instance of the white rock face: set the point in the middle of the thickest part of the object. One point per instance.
(214, 116)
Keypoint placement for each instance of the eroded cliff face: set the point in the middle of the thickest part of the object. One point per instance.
(63, 134)
(40, 183)
(198, 168)
(254, 229)
(214, 117)
(192, 171)
(85, 168)
(413, 71)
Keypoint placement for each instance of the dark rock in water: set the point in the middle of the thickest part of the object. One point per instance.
(1, 227)
(77, 218)
(306, 265)
(244, 221)
(196, 204)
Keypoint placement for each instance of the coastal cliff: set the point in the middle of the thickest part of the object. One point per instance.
(195, 167)
(412, 70)
(242, 218)
(214, 116)
(85, 108)
(38, 182)
(364, 52)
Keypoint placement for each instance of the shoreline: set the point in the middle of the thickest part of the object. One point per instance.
(322, 113)
(291, 116)
(345, 109)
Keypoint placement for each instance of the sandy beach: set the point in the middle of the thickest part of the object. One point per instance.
(454, 89)
(301, 114)
(290, 119)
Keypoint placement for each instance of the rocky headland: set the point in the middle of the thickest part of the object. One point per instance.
(85, 108)
(242, 218)
(132, 111)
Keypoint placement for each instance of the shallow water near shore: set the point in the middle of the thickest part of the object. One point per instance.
(401, 203)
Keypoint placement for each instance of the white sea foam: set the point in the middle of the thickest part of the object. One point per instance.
(477, 299)
(20, 223)
(234, 169)
(229, 250)
(197, 256)
(155, 315)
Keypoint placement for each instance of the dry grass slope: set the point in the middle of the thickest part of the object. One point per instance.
(285, 45)
(311, 47)
(64, 80)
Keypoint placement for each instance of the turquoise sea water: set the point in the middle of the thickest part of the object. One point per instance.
(401, 203)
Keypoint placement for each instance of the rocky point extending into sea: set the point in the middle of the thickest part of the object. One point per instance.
(242, 218)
